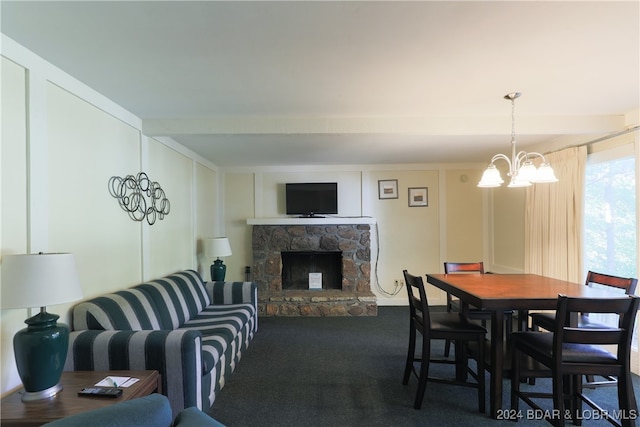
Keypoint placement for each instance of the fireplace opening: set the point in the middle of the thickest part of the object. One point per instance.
(297, 266)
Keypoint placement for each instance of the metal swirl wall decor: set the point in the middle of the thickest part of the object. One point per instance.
(140, 197)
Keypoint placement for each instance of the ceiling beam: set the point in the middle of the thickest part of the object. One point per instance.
(531, 125)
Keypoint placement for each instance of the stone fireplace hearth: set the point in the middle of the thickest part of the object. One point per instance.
(351, 297)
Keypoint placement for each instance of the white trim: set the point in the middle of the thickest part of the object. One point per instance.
(174, 145)
(442, 215)
(382, 301)
(310, 221)
(220, 226)
(257, 194)
(37, 163)
(354, 167)
(145, 231)
(35, 64)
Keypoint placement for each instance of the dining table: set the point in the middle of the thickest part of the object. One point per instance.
(499, 292)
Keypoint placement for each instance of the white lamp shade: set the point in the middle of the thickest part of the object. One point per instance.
(217, 247)
(517, 182)
(527, 171)
(39, 280)
(491, 177)
(544, 174)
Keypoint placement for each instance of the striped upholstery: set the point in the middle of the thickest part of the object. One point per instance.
(232, 292)
(128, 310)
(178, 322)
(145, 350)
(178, 297)
(226, 332)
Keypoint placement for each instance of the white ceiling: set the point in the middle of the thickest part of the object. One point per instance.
(281, 83)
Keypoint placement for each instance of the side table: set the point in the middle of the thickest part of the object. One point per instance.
(15, 412)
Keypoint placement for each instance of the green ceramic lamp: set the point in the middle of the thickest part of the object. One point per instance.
(218, 247)
(38, 280)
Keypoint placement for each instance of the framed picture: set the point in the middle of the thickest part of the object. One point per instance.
(418, 196)
(388, 189)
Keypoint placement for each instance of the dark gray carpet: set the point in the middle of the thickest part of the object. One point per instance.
(339, 371)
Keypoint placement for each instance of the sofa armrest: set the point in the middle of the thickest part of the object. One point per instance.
(233, 293)
(175, 354)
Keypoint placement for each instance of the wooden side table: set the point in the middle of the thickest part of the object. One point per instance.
(15, 412)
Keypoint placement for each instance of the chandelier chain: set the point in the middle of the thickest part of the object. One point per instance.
(513, 120)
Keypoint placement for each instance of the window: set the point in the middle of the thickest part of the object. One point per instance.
(610, 237)
(610, 214)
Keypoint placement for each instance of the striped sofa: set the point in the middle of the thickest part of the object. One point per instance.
(192, 332)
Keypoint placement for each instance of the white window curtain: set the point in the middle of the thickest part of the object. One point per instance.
(553, 219)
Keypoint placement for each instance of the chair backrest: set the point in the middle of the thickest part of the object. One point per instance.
(418, 303)
(627, 284)
(625, 307)
(464, 267)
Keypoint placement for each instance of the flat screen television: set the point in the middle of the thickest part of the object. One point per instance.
(309, 199)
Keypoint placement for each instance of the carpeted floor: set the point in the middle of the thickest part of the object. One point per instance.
(339, 371)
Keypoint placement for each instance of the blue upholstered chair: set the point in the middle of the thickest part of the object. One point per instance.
(149, 411)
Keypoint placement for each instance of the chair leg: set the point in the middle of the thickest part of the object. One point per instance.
(576, 402)
(515, 381)
(558, 401)
(423, 373)
(411, 356)
(481, 376)
(627, 400)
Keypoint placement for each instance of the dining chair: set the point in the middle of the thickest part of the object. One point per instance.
(460, 267)
(569, 352)
(441, 326)
(472, 313)
(547, 320)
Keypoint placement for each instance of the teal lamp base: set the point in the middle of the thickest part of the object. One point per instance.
(218, 271)
(41, 350)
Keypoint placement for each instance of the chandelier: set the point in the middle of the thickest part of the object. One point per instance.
(522, 171)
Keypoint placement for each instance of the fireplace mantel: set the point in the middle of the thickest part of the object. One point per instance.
(330, 220)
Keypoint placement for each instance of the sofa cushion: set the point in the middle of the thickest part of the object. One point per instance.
(219, 326)
(126, 310)
(178, 297)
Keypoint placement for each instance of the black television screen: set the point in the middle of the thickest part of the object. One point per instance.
(311, 198)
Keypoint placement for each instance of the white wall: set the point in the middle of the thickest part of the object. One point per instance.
(13, 199)
(419, 239)
(61, 143)
(80, 217)
(206, 196)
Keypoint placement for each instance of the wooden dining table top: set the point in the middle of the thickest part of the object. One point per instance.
(513, 291)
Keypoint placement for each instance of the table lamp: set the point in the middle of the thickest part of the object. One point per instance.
(37, 280)
(218, 247)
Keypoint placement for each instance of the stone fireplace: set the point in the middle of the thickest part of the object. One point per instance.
(341, 253)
